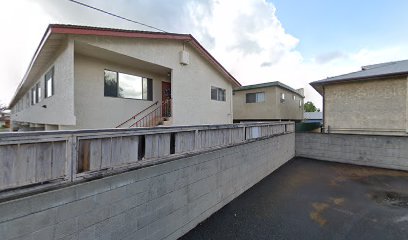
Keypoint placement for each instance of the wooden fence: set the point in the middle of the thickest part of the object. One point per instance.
(34, 158)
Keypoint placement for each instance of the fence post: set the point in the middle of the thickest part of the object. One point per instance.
(74, 156)
(196, 139)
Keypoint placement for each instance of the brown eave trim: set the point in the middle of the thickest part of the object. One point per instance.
(60, 29)
(117, 33)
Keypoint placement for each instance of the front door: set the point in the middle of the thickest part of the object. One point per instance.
(166, 96)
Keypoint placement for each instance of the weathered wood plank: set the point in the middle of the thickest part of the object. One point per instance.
(83, 156)
(8, 155)
(95, 157)
(184, 142)
(27, 161)
(133, 148)
(125, 150)
(43, 162)
(163, 144)
(116, 149)
(151, 146)
(59, 158)
(106, 153)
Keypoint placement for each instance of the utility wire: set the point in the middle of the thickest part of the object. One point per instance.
(114, 15)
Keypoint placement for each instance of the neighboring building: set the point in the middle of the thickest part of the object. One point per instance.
(85, 77)
(370, 101)
(312, 117)
(4, 120)
(272, 101)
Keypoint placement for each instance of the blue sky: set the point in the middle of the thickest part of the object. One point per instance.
(344, 26)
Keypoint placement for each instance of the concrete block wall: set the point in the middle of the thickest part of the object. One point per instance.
(163, 201)
(368, 150)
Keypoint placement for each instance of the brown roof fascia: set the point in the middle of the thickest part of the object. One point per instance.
(82, 30)
(209, 57)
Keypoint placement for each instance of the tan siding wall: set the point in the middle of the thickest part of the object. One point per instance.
(367, 107)
(272, 108)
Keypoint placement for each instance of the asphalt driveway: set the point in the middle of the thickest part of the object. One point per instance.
(309, 199)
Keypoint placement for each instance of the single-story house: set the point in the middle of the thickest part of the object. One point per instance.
(4, 120)
(86, 77)
(371, 101)
(271, 101)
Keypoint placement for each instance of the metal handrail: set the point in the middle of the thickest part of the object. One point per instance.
(155, 116)
(137, 114)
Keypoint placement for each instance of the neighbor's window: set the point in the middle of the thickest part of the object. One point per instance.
(300, 103)
(217, 94)
(33, 96)
(282, 98)
(255, 97)
(127, 86)
(49, 83)
(294, 97)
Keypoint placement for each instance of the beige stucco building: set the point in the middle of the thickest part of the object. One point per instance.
(86, 78)
(370, 101)
(272, 101)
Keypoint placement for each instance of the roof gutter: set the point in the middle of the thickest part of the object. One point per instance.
(78, 30)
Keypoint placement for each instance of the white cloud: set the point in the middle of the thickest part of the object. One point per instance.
(22, 24)
(245, 36)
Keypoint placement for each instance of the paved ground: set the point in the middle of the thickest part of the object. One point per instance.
(308, 199)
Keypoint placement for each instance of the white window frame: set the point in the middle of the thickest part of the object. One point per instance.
(49, 88)
(220, 94)
(259, 97)
(33, 95)
(282, 97)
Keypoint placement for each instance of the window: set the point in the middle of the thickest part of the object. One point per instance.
(127, 86)
(27, 99)
(217, 94)
(300, 103)
(282, 99)
(33, 96)
(255, 97)
(49, 83)
(38, 91)
(294, 97)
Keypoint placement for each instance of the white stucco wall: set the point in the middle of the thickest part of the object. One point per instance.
(191, 84)
(59, 107)
(92, 108)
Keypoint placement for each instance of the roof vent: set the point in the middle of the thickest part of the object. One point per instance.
(184, 57)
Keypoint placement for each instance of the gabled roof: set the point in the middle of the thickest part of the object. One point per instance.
(61, 29)
(369, 72)
(266, 85)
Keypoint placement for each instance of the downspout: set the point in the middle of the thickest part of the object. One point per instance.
(324, 112)
(231, 114)
(406, 109)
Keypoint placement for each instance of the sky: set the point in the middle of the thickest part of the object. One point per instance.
(291, 41)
